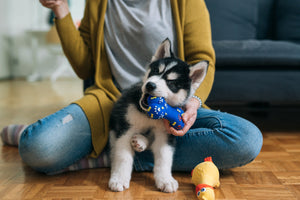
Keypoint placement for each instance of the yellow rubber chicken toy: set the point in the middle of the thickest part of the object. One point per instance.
(205, 176)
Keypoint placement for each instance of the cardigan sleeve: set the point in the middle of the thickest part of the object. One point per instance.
(76, 44)
(198, 42)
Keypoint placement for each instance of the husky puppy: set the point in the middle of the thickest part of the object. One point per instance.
(132, 130)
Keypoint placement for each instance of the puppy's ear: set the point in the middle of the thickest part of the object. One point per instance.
(163, 51)
(198, 73)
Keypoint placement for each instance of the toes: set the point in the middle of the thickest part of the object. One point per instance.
(117, 185)
(138, 143)
(168, 186)
(138, 148)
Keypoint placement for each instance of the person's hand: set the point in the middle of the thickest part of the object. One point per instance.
(59, 7)
(189, 117)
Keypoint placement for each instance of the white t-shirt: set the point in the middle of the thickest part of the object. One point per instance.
(133, 31)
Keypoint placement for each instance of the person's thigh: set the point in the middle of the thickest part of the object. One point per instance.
(56, 141)
(231, 141)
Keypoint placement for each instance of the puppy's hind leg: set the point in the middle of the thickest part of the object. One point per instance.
(121, 166)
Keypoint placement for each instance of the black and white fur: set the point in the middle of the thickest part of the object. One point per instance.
(132, 130)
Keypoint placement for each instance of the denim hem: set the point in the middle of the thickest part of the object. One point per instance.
(137, 165)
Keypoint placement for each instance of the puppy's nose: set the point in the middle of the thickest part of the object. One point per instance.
(150, 86)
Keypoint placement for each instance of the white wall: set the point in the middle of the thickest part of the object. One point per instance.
(4, 70)
(17, 19)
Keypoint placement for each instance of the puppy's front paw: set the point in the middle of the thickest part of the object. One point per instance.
(117, 185)
(167, 184)
(139, 143)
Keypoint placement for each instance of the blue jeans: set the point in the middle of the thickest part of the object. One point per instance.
(61, 139)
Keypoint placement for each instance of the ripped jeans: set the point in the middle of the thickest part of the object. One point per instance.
(63, 138)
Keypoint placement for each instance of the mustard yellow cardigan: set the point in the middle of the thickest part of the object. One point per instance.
(86, 52)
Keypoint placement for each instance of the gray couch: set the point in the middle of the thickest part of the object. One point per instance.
(257, 44)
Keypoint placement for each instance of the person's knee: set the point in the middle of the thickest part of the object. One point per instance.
(249, 143)
(37, 151)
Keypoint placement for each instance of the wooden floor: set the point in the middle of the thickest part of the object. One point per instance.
(274, 175)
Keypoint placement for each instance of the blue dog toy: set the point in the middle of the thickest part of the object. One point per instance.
(159, 109)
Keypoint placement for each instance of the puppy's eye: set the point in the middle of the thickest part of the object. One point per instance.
(155, 70)
(173, 85)
(171, 81)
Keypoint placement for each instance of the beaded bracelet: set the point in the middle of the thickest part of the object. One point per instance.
(198, 98)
